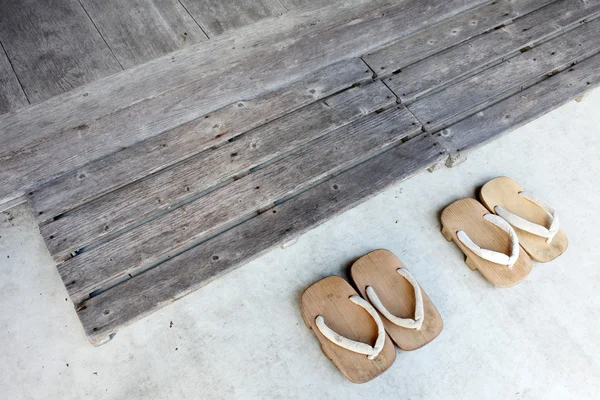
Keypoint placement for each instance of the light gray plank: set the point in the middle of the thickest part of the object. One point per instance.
(471, 95)
(219, 16)
(41, 149)
(142, 30)
(185, 181)
(53, 46)
(194, 222)
(12, 96)
(107, 174)
(519, 109)
(448, 33)
(104, 314)
(456, 63)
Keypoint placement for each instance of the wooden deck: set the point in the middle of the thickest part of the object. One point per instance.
(234, 127)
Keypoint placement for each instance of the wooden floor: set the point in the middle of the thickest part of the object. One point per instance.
(234, 127)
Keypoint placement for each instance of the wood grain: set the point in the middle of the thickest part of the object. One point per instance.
(205, 172)
(477, 54)
(104, 314)
(391, 59)
(142, 30)
(378, 270)
(36, 152)
(467, 215)
(328, 298)
(471, 95)
(53, 46)
(219, 16)
(12, 96)
(234, 203)
(119, 169)
(487, 125)
(504, 192)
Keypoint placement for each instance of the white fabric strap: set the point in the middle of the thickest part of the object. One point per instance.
(408, 323)
(529, 226)
(490, 255)
(349, 344)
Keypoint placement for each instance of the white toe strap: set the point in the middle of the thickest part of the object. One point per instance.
(529, 226)
(490, 255)
(352, 345)
(403, 322)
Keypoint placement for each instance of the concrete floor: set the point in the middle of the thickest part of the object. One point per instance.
(242, 336)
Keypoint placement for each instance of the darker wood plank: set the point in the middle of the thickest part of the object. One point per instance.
(53, 46)
(450, 32)
(183, 87)
(493, 122)
(219, 16)
(194, 222)
(12, 96)
(104, 314)
(119, 169)
(471, 95)
(142, 30)
(475, 55)
(187, 180)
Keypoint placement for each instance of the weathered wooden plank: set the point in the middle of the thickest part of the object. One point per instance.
(142, 30)
(110, 173)
(164, 190)
(194, 222)
(104, 314)
(12, 96)
(519, 109)
(34, 156)
(291, 4)
(53, 46)
(120, 90)
(219, 16)
(433, 39)
(423, 77)
(471, 95)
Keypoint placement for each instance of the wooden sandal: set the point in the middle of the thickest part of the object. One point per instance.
(336, 313)
(497, 254)
(535, 222)
(409, 316)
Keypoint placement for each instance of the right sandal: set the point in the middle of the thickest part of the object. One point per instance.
(489, 242)
(409, 316)
(535, 222)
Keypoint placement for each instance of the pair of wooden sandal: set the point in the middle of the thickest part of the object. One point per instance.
(358, 333)
(501, 238)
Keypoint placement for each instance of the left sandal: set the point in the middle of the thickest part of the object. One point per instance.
(410, 318)
(534, 221)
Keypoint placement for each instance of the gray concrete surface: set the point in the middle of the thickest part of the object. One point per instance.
(242, 337)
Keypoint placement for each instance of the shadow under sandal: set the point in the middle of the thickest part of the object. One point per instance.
(349, 329)
(490, 244)
(535, 222)
(409, 316)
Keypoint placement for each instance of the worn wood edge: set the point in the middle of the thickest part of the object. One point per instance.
(46, 205)
(546, 96)
(151, 243)
(341, 192)
(8, 204)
